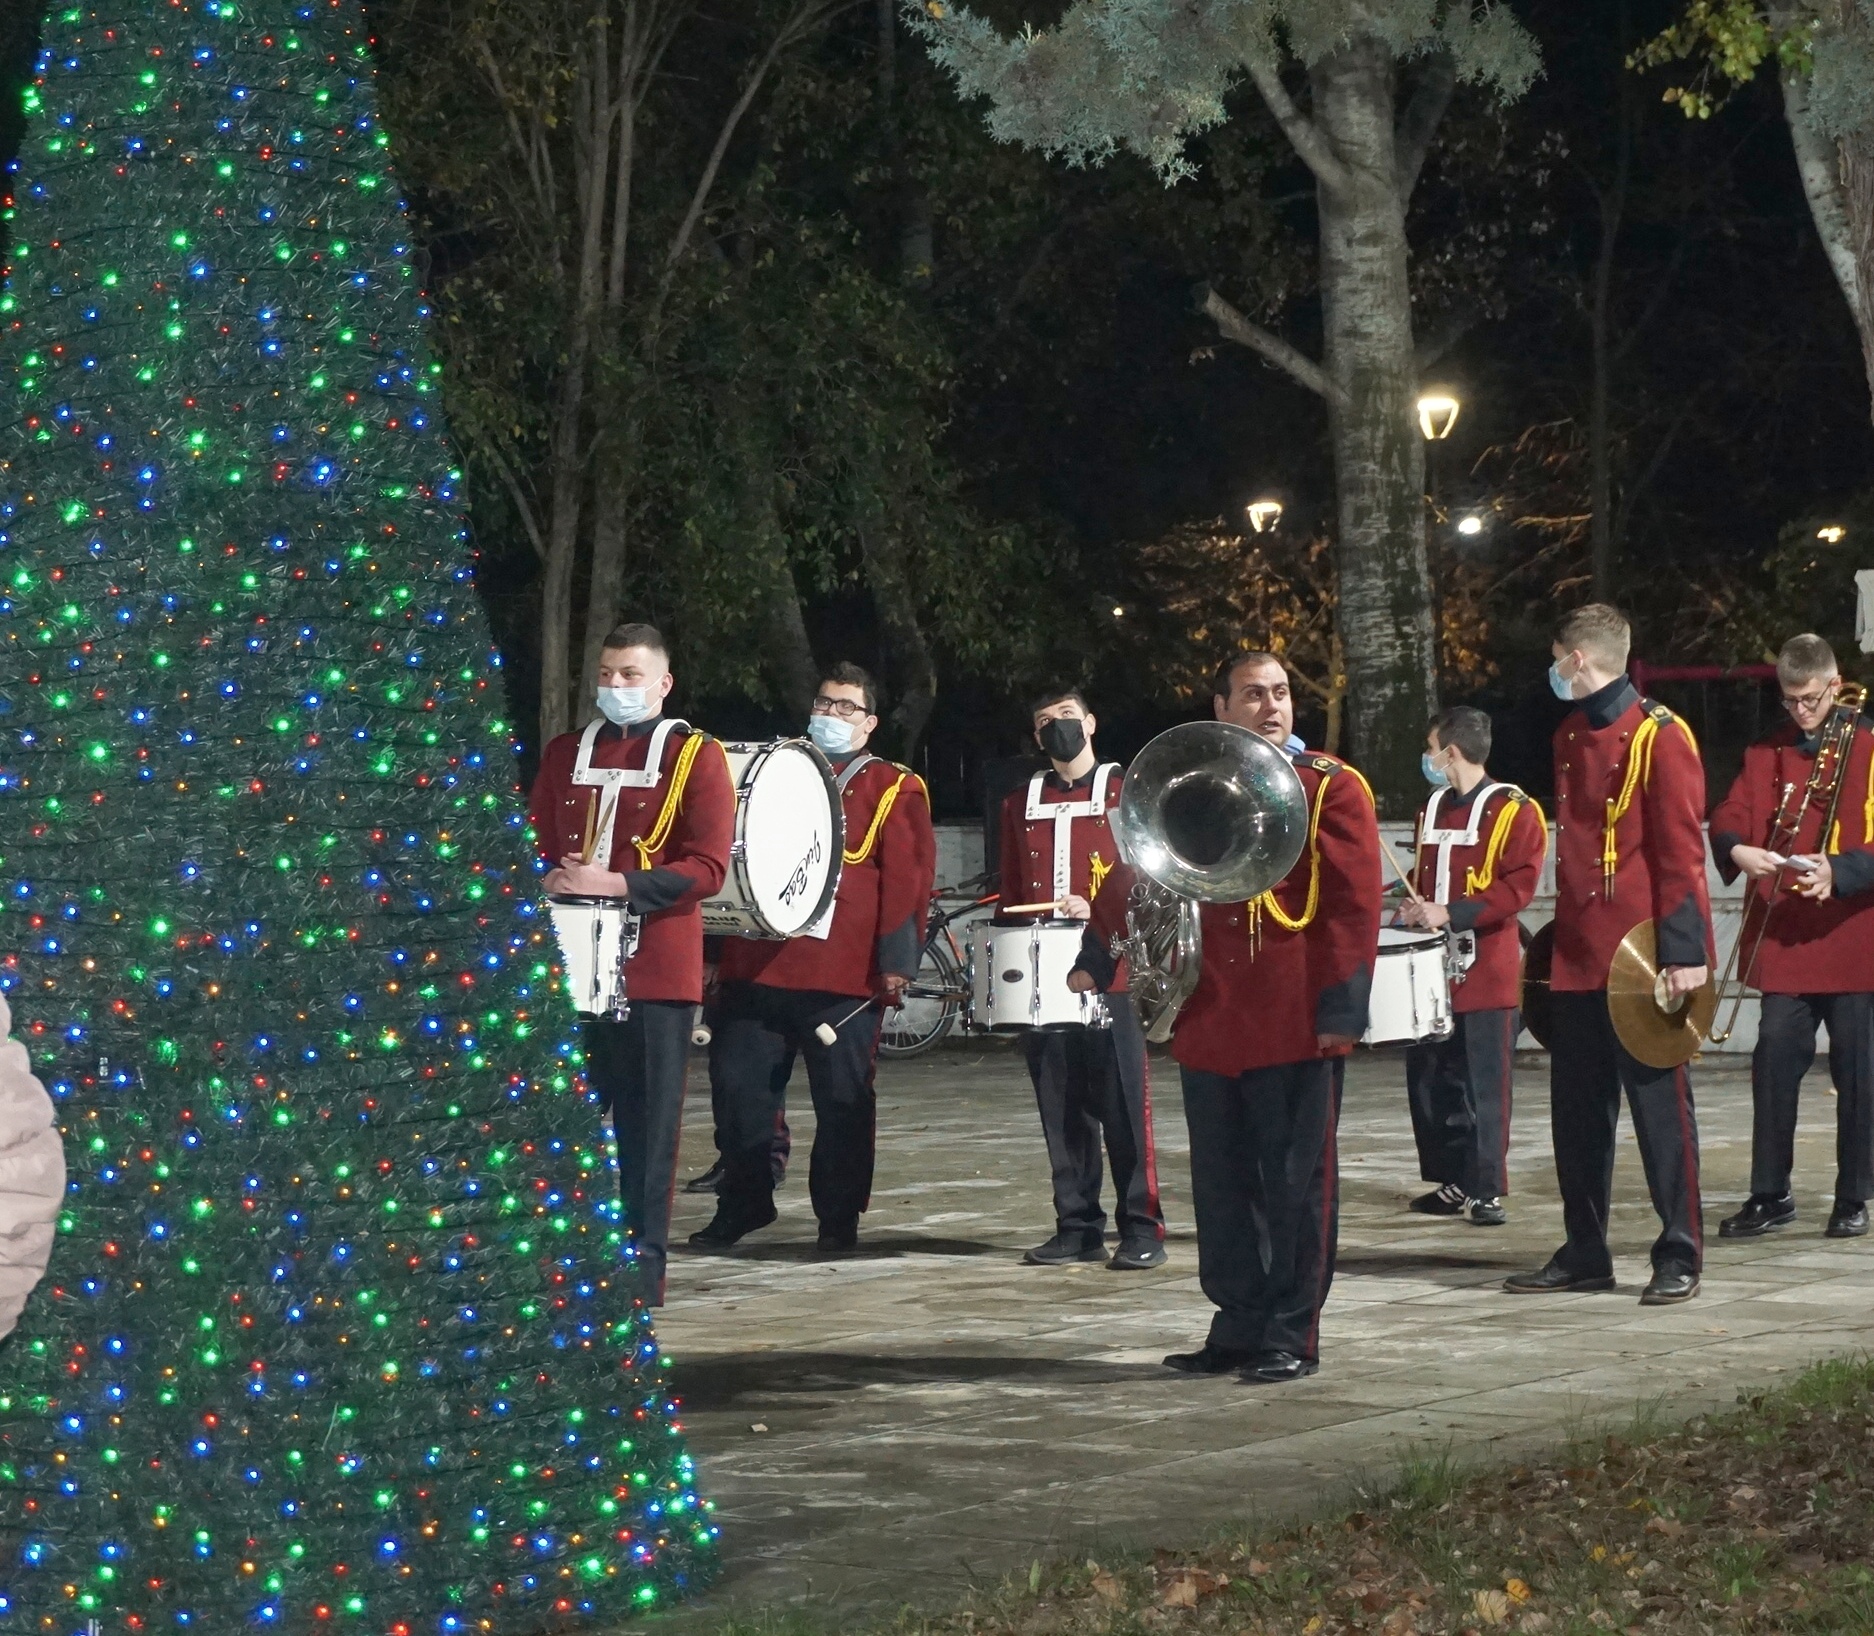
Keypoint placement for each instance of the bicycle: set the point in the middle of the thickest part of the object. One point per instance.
(937, 994)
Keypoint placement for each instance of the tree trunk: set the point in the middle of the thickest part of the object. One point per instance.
(1857, 190)
(1385, 621)
(792, 670)
(890, 585)
(1613, 203)
(610, 512)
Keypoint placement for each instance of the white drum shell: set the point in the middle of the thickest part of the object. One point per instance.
(1018, 977)
(590, 935)
(790, 836)
(1411, 998)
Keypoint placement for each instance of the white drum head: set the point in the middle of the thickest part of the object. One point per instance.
(791, 838)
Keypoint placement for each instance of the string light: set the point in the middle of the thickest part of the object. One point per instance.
(343, 1331)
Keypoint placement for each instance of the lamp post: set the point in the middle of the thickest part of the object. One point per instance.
(1438, 415)
(1264, 515)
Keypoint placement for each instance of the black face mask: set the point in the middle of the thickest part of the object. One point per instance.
(1062, 738)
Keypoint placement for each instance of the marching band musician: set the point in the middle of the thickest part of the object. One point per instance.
(1479, 861)
(666, 850)
(775, 998)
(1056, 848)
(1280, 1002)
(1815, 963)
(1629, 847)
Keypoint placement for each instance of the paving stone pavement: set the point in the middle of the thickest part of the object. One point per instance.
(929, 1415)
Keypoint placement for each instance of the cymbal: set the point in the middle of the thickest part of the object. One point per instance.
(1538, 958)
(1636, 994)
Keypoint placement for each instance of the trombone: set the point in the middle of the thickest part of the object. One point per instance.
(1834, 745)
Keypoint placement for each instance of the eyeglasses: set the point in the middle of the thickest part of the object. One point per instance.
(845, 709)
(1808, 701)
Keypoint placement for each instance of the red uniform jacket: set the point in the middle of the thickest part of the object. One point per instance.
(1808, 948)
(1629, 836)
(670, 839)
(883, 902)
(1066, 846)
(1296, 962)
(1481, 855)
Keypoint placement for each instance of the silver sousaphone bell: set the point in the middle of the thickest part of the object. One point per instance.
(1209, 813)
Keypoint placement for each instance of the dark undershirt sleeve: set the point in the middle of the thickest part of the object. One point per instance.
(1721, 843)
(1464, 914)
(1096, 960)
(1854, 873)
(1342, 1009)
(652, 889)
(897, 949)
(1682, 936)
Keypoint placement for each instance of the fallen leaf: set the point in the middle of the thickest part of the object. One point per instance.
(758, 1426)
(1180, 1593)
(1106, 1588)
(1257, 1567)
(1399, 1623)
(1671, 1527)
(1598, 1554)
(1743, 1492)
(1313, 1625)
(1533, 1622)
(1373, 1601)
(1517, 1590)
(1491, 1606)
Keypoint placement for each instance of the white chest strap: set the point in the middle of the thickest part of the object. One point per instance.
(1064, 813)
(613, 779)
(1430, 834)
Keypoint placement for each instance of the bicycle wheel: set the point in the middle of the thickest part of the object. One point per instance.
(931, 1006)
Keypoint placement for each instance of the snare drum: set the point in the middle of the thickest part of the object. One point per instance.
(790, 832)
(1411, 989)
(1018, 977)
(597, 936)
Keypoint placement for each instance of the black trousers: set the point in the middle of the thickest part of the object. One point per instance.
(759, 1033)
(640, 1066)
(1265, 1179)
(1091, 1082)
(1459, 1091)
(783, 1137)
(1588, 1069)
(1785, 1049)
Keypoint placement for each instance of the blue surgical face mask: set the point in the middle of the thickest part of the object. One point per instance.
(833, 735)
(624, 706)
(1562, 686)
(1435, 775)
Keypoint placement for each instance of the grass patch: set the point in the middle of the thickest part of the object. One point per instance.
(1757, 1521)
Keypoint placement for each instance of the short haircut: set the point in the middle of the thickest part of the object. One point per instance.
(847, 674)
(1232, 663)
(1055, 695)
(1805, 658)
(1466, 729)
(1600, 631)
(638, 636)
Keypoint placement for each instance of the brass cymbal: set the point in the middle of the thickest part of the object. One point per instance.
(1538, 958)
(1636, 993)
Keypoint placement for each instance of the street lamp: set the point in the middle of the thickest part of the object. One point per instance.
(1438, 414)
(1264, 515)
(1472, 524)
(1833, 534)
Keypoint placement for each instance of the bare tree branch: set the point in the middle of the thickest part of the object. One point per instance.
(1451, 329)
(1297, 365)
(1303, 134)
(490, 451)
(1420, 121)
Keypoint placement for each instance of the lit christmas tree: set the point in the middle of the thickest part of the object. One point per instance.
(341, 1332)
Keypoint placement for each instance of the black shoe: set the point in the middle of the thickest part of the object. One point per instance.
(1065, 1248)
(1548, 1280)
(709, 1182)
(1137, 1255)
(1846, 1220)
(1442, 1201)
(727, 1230)
(1762, 1213)
(1669, 1289)
(1276, 1367)
(837, 1240)
(1487, 1213)
(1210, 1360)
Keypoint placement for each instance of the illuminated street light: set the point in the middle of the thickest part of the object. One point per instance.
(1834, 533)
(1264, 515)
(1471, 525)
(1438, 414)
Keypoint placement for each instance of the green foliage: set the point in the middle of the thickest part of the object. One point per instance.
(342, 1331)
(1145, 75)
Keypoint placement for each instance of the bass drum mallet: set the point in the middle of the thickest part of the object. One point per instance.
(828, 1033)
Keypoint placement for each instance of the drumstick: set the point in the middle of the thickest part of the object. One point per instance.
(828, 1033)
(1028, 908)
(1405, 880)
(608, 814)
(592, 812)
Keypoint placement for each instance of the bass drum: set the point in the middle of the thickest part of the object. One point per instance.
(790, 838)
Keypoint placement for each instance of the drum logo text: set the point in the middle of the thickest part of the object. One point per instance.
(797, 882)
